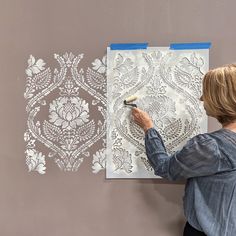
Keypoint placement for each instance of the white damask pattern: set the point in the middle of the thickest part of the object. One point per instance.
(168, 84)
(73, 103)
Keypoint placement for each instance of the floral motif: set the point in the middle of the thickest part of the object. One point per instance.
(122, 160)
(34, 67)
(26, 136)
(167, 84)
(161, 109)
(99, 160)
(35, 161)
(69, 88)
(69, 131)
(100, 65)
(69, 112)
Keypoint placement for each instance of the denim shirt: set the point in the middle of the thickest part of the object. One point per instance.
(208, 162)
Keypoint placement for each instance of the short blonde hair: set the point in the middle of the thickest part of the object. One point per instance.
(219, 93)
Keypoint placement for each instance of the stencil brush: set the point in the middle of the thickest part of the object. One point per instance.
(130, 99)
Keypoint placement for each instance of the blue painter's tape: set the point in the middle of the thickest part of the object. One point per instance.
(186, 46)
(128, 46)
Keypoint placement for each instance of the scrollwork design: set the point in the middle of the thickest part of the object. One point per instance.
(70, 130)
(169, 85)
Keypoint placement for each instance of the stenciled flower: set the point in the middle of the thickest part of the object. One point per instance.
(35, 161)
(99, 160)
(34, 67)
(122, 160)
(27, 136)
(69, 112)
(100, 66)
(160, 110)
(69, 88)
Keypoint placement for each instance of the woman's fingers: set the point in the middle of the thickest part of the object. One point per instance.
(141, 118)
(135, 111)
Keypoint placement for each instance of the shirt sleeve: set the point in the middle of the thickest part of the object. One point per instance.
(199, 157)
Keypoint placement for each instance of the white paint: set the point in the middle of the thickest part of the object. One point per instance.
(69, 96)
(168, 84)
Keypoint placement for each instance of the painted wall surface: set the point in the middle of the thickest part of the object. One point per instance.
(82, 203)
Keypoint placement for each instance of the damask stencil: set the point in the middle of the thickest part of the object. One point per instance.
(66, 113)
(168, 84)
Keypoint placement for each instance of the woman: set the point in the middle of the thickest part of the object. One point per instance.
(207, 161)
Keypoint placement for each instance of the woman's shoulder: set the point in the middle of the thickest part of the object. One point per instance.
(203, 139)
(222, 133)
(202, 144)
(215, 134)
(218, 137)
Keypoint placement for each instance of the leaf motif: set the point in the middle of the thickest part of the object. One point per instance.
(86, 154)
(99, 160)
(41, 168)
(99, 123)
(193, 59)
(34, 68)
(27, 136)
(130, 77)
(200, 62)
(86, 131)
(173, 129)
(122, 160)
(104, 60)
(96, 64)
(95, 102)
(43, 102)
(136, 131)
(114, 134)
(31, 143)
(183, 78)
(119, 60)
(77, 163)
(51, 131)
(100, 109)
(128, 62)
(138, 152)
(184, 63)
(118, 142)
(60, 164)
(40, 64)
(28, 94)
(127, 167)
(35, 161)
(102, 70)
(51, 154)
(95, 79)
(104, 143)
(100, 65)
(42, 79)
(31, 60)
(29, 72)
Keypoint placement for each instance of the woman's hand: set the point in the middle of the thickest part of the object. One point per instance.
(142, 119)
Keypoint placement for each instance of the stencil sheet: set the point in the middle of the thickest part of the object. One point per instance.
(169, 85)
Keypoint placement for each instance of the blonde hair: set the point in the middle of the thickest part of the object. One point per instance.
(219, 93)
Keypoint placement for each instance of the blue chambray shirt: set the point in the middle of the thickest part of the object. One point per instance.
(208, 162)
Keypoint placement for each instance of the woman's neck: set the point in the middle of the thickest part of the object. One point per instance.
(230, 126)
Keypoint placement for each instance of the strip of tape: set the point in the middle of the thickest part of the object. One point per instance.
(186, 46)
(128, 46)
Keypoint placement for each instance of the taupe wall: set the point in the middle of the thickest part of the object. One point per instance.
(81, 203)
